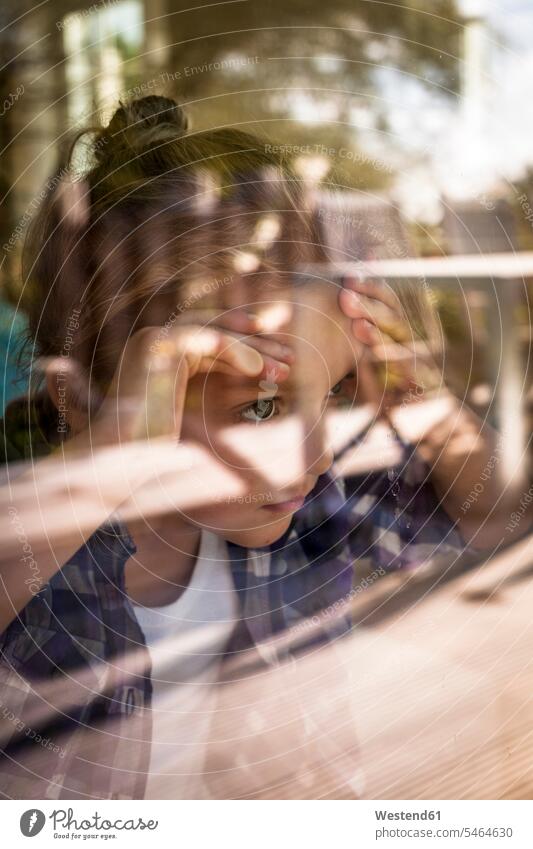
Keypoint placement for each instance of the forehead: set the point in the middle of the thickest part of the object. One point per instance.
(306, 318)
(311, 322)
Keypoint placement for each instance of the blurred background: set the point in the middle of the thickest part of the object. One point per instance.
(419, 114)
(428, 104)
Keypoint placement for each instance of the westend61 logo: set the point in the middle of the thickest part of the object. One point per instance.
(65, 825)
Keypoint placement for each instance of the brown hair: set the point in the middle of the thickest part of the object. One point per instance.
(158, 209)
(157, 213)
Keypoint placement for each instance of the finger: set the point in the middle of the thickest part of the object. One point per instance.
(382, 340)
(353, 305)
(271, 348)
(273, 371)
(68, 376)
(386, 320)
(365, 331)
(237, 320)
(245, 324)
(196, 345)
(377, 289)
(356, 305)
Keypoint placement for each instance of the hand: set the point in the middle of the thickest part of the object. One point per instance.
(403, 365)
(149, 387)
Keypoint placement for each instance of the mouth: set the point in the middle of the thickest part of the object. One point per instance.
(289, 506)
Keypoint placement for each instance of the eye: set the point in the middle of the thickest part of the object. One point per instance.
(260, 411)
(337, 390)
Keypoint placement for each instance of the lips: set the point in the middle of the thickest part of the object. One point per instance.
(291, 505)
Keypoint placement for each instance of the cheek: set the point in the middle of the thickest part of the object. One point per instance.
(240, 522)
(226, 445)
(198, 426)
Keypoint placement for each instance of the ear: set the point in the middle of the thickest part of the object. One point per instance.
(65, 385)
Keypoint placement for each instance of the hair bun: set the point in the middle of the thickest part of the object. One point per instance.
(141, 123)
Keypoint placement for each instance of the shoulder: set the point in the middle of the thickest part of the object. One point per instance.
(397, 518)
(66, 623)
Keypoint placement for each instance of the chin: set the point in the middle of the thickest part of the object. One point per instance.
(258, 537)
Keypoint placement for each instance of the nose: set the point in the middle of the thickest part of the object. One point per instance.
(317, 450)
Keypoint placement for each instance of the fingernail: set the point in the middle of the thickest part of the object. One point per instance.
(278, 371)
(254, 360)
(353, 278)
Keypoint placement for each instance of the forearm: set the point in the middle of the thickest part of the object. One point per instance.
(466, 461)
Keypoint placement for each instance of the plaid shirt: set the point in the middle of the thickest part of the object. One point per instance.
(74, 664)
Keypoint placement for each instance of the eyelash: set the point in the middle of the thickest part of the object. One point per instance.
(261, 402)
(333, 393)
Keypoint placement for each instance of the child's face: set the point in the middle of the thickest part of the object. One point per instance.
(225, 413)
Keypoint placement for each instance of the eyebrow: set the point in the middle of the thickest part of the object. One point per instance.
(244, 384)
(247, 385)
(302, 387)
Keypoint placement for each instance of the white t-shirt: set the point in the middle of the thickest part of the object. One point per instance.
(186, 641)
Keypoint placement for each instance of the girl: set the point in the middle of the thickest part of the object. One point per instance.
(188, 371)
